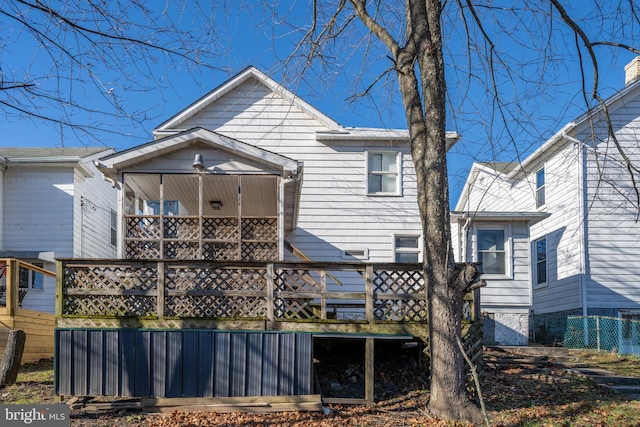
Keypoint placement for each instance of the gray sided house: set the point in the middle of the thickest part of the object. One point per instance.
(558, 234)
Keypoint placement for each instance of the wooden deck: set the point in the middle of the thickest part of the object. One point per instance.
(38, 326)
(299, 297)
(347, 300)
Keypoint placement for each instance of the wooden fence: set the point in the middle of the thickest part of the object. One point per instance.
(38, 326)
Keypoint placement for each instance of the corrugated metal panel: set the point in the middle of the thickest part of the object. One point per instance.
(182, 363)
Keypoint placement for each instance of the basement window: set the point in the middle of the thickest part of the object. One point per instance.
(360, 254)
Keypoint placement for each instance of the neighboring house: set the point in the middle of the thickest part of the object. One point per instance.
(54, 203)
(558, 233)
(273, 176)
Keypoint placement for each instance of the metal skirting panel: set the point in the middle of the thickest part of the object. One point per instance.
(182, 363)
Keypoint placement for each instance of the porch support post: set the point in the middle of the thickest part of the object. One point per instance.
(160, 290)
(270, 290)
(368, 286)
(200, 214)
(369, 371)
(59, 288)
(281, 208)
(12, 286)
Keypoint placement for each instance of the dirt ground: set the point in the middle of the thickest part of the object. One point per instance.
(515, 394)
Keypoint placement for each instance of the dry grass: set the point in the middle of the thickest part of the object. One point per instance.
(515, 396)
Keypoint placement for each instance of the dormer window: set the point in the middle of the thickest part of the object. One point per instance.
(540, 188)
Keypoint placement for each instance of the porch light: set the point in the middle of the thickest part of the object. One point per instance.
(198, 164)
(216, 204)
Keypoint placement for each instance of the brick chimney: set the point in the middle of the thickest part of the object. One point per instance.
(632, 71)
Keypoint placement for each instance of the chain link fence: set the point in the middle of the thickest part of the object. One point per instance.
(621, 335)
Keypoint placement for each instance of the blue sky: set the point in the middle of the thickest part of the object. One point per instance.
(539, 93)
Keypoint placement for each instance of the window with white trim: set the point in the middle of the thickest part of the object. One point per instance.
(383, 176)
(407, 248)
(114, 227)
(491, 250)
(540, 247)
(540, 188)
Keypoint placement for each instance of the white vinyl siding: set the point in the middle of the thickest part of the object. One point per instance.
(39, 216)
(507, 292)
(613, 226)
(92, 222)
(335, 213)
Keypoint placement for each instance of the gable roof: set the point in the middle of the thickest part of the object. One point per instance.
(21, 154)
(509, 170)
(174, 122)
(110, 165)
(71, 157)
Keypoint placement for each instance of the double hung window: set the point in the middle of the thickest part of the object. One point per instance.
(383, 176)
(540, 247)
(540, 188)
(491, 253)
(407, 248)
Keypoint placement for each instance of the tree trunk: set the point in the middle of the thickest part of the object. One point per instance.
(424, 102)
(445, 285)
(10, 364)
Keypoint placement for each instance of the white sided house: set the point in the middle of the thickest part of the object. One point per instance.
(271, 178)
(558, 234)
(54, 203)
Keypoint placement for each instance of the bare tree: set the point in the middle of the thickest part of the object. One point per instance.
(480, 45)
(75, 63)
(425, 46)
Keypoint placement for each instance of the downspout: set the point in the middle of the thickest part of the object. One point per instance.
(465, 239)
(581, 234)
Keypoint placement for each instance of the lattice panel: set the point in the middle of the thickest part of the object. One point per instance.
(259, 229)
(400, 311)
(139, 249)
(110, 305)
(221, 251)
(216, 279)
(216, 307)
(259, 251)
(181, 250)
(399, 282)
(181, 228)
(110, 277)
(291, 280)
(220, 228)
(138, 227)
(293, 309)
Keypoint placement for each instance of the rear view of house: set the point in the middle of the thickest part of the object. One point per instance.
(249, 211)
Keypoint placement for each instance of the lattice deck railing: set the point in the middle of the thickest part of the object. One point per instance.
(291, 292)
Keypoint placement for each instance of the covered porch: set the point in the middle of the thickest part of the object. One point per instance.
(199, 195)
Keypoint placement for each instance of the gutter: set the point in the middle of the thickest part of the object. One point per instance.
(562, 133)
